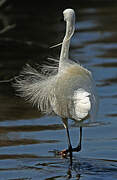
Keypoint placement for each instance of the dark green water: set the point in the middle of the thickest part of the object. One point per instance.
(27, 137)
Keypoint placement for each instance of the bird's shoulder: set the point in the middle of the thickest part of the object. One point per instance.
(75, 71)
(71, 79)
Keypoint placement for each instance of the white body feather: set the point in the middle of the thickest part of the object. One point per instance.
(74, 94)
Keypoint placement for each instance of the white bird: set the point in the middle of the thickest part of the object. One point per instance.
(69, 92)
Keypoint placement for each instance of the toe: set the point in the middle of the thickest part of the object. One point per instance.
(63, 153)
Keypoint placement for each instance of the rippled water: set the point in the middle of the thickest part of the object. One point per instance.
(26, 137)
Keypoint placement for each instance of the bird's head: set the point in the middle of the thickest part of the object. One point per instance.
(69, 15)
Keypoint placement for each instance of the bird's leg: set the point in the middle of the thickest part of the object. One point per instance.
(64, 152)
(69, 146)
(78, 148)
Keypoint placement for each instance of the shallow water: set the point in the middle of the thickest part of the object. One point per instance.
(27, 138)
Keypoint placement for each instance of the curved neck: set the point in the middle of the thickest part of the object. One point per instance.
(64, 55)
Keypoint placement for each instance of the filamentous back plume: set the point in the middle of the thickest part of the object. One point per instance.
(67, 90)
(35, 85)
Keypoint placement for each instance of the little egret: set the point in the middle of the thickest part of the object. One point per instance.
(68, 92)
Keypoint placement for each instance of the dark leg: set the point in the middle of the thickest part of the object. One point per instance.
(64, 152)
(78, 148)
(70, 149)
(69, 146)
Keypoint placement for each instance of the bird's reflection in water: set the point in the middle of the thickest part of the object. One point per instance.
(87, 166)
(69, 174)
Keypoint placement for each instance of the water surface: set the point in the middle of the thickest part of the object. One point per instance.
(26, 136)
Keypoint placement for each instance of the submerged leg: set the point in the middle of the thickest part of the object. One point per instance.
(65, 122)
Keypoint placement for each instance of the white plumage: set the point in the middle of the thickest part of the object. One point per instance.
(82, 104)
(67, 90)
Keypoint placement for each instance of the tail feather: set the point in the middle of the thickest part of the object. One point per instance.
(82, 104)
